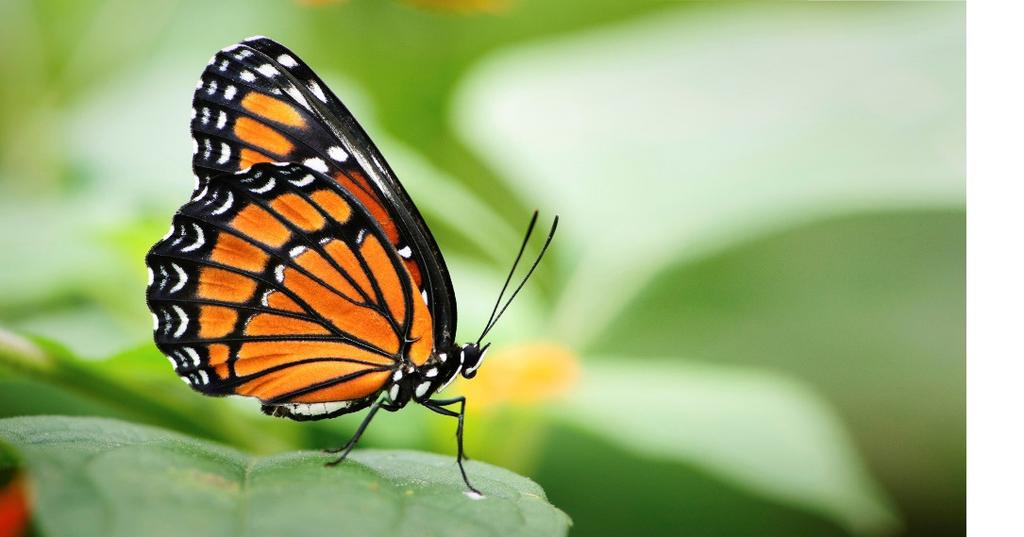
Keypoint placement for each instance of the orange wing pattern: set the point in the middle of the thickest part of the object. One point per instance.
(256, 102)
(278, 284)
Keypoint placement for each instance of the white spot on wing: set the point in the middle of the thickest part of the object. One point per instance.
(297, 95)
(302, 182)
(405, 252)
(222, 119)
(334, 407)
(287, 60)
(316, 164)
(193, 355)
(268, 70)
(212, 88)
(317, 90)
(184, 321)
(265, 188)
(248, 76)
(225, 154)
(337, 153)
(227, 205)
(200, 239)
(181, 236)
(156, 322)
(229, 93)
(297, 251)
(163, 277)
(182, 279)
(279, 273)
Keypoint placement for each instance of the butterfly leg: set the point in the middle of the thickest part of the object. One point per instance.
(437, 405)
(344, 450)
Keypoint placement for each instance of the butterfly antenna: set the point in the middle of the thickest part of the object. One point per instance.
(508, 279)
(543, 250)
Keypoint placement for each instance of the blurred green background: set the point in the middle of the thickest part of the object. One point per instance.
(760, 274)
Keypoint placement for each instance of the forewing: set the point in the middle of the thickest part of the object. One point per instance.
(258, 102)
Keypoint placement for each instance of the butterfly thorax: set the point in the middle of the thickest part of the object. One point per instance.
(419, 383)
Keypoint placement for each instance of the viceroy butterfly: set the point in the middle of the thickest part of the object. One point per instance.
(300, 272)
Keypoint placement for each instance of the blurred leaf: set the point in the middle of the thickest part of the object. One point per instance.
(60, 51)
(411, 60)
(866, 309)
(759, 431)
(109, 478)
(616, 492)
(40, 377)
(51, 378)
(679, 134)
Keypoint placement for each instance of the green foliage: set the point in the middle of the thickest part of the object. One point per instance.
(760, 265)
(866, 309)
(740, 425)
(100, 477)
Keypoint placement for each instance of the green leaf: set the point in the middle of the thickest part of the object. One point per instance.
(702, 127)
(659, 497)
(761, 432)
(110, 478)
(866, 309)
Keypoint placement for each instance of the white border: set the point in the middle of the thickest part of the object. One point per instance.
(995, 268)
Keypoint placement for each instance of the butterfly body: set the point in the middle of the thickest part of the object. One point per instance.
(300, 273)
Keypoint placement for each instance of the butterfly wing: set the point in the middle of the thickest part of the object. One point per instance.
(258, 102)
(277, 283)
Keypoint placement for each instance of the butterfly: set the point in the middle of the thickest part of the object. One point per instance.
(300, 272)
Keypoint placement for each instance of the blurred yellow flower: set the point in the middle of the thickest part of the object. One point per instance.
(456, 6)
(462, 6)
(318, 3)
(522, 375)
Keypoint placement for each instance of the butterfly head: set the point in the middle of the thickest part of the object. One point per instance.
(471, 356)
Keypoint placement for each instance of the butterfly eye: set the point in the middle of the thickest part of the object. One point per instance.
(473, 358)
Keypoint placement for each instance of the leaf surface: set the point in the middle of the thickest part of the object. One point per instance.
(110, 478)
